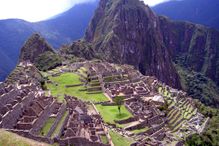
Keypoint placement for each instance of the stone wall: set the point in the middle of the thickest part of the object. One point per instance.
(79, 141)
(58, 118)
(129, 120)
(8, 97)
(10, 119)
(27, 100)
(63, 125)
(74, 85)
(42, 119)
(138, 126)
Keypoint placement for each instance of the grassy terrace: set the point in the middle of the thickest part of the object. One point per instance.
(110, 113)
(11, 139)
(59, 126)
(104, 139)
(140, 130)
(119, 140)
(44, 131)
(58, 89)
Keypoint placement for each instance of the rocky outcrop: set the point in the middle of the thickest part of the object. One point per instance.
(37, 51)
(33, 47)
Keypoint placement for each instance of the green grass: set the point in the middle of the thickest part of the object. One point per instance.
(59, 126)
(111, 113)
(11, 139)
(44, 131)
(104, 139)
(140, 130)
(69, 79)
(119, 140)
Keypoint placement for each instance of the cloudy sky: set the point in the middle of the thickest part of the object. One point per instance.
(36, 10)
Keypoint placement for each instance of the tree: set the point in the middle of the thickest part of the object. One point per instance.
(119, 101)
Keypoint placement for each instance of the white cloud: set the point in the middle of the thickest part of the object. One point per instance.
(154, 2)
(34, 10)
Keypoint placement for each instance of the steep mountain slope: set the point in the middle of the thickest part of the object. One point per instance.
(62, 29)
(5, 68)
(36, 50)
(198, 11)
(12, 35)
(33, 47)
(68, 26)
(193, 46)
(127, 31)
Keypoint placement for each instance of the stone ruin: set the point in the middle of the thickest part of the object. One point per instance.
(144, 100)
(79, 124)
(24, 109)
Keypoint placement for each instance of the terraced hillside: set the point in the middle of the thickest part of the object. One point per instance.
(147, 101)
(96, 103)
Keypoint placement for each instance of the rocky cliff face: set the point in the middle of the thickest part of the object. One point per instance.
(33, 47)
(127, 32)
(193, 46)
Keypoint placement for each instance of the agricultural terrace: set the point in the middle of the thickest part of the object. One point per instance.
(57, 87)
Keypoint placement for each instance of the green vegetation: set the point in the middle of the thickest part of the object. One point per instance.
(80, 48)
(44, 131)
(119, 101)
(110, 113)
(104, 139)
(199, 87)
(59, 126)
(210, 136)
(58, 88)
(11, 139)
(140, 130)
(119, 140)
(47, 61)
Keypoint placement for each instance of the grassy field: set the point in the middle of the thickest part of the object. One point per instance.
(11, 139)
(44, 131)
(60, 90)
(119, 140)
(111, 113)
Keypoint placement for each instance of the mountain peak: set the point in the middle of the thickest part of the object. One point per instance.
(127, 32)
(33, 47)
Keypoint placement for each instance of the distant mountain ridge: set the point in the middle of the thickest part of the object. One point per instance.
(203, 12)
(60, 30)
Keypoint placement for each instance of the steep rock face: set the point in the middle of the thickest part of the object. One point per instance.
(33, 47)
(127, 31)
(194, 46)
